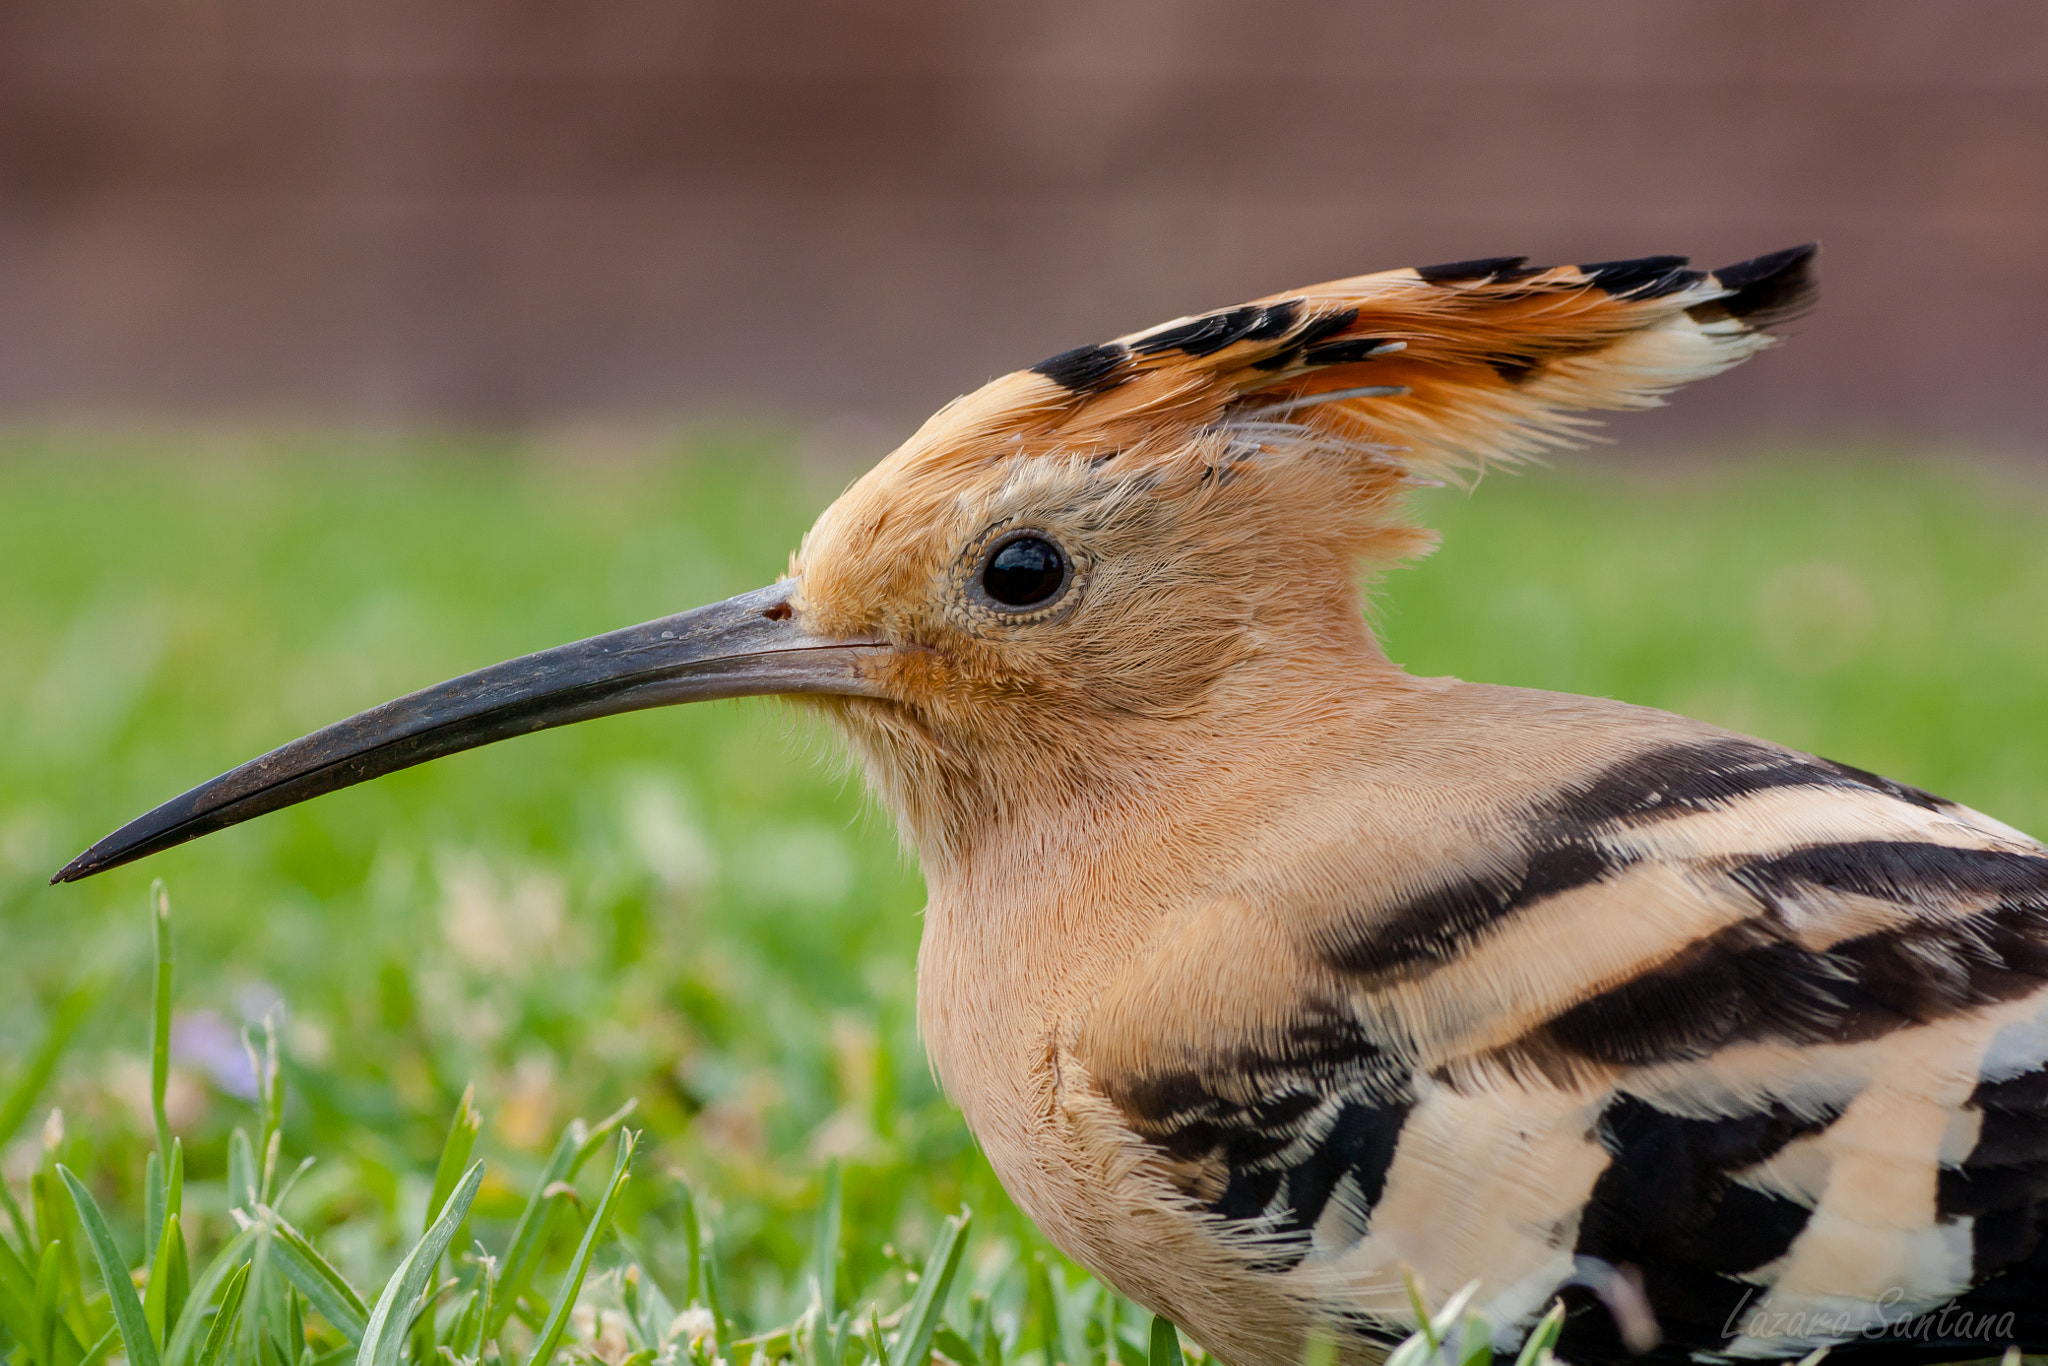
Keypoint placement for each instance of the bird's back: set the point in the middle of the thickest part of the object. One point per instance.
(1740, 1049)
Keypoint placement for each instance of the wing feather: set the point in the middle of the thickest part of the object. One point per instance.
(1765, 1031)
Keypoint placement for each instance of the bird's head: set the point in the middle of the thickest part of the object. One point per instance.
(1085, 567)
(1062, 609)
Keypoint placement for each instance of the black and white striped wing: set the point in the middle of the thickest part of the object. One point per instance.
(1741, 1050)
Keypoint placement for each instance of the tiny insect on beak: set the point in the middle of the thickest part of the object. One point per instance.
(747, 646)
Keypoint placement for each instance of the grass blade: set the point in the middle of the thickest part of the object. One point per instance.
(169, 1280)
(294, 1326)
(572, 1283)
(1073, 1319)
(692, 1238)
(101, 1349)
(170, 1275)
(529, 1235)
(17, 1295)
(648, 1312)
(721, 1326)
(269, 1103)
(594, 1139)
(176, 1271)
(1542, 1338)
(49, 1284)
(224, 1321)
(325, 1288)
(1045, 1306)
(522, 1251)
(988, 1346)
(1165, 1344)
(921, 1319)
(18, 1318)
(466, 1340)
(160, 1017)
(386, 1330)
(455, 1152)
(284, 1187)
(54, 1222)
(152, 1203)
(953, 1347)
(241, 1169)
(229, 1263)
(174, 1182)
(257, 1302)
(18, 1219)
(135, 1339)
(71, 1014)
(1451, 1318)
(825, 1269)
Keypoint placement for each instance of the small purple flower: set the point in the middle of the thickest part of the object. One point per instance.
(205, 1040)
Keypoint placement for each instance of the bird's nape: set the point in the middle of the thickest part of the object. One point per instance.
(751, 645)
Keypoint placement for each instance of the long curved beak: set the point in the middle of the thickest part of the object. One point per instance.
(746, 646)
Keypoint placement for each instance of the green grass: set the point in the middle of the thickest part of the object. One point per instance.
(691, 909)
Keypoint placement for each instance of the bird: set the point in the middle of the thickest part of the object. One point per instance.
(1276, 982)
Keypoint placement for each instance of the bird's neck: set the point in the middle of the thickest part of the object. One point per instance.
(1027, 917)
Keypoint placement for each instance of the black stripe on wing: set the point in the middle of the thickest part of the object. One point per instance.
(1673, 1214)
(1560, 846)
(2002, 1185)
(1268, 1140)
(1670, 1212)
(1981, 938)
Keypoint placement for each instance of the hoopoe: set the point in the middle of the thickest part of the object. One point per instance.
(1270, 976)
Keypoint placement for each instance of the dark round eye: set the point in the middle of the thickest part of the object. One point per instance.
(1025, 572)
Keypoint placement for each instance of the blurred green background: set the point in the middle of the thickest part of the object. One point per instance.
(385, 219)
(696, 907)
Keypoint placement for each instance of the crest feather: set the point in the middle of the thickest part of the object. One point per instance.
(1450, 366)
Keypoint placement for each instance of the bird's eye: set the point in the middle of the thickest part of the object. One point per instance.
(1025, 572)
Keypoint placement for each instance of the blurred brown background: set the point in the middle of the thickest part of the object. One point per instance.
(512, 211)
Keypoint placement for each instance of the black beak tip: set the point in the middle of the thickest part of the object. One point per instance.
(138, 839)
(85, 865)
